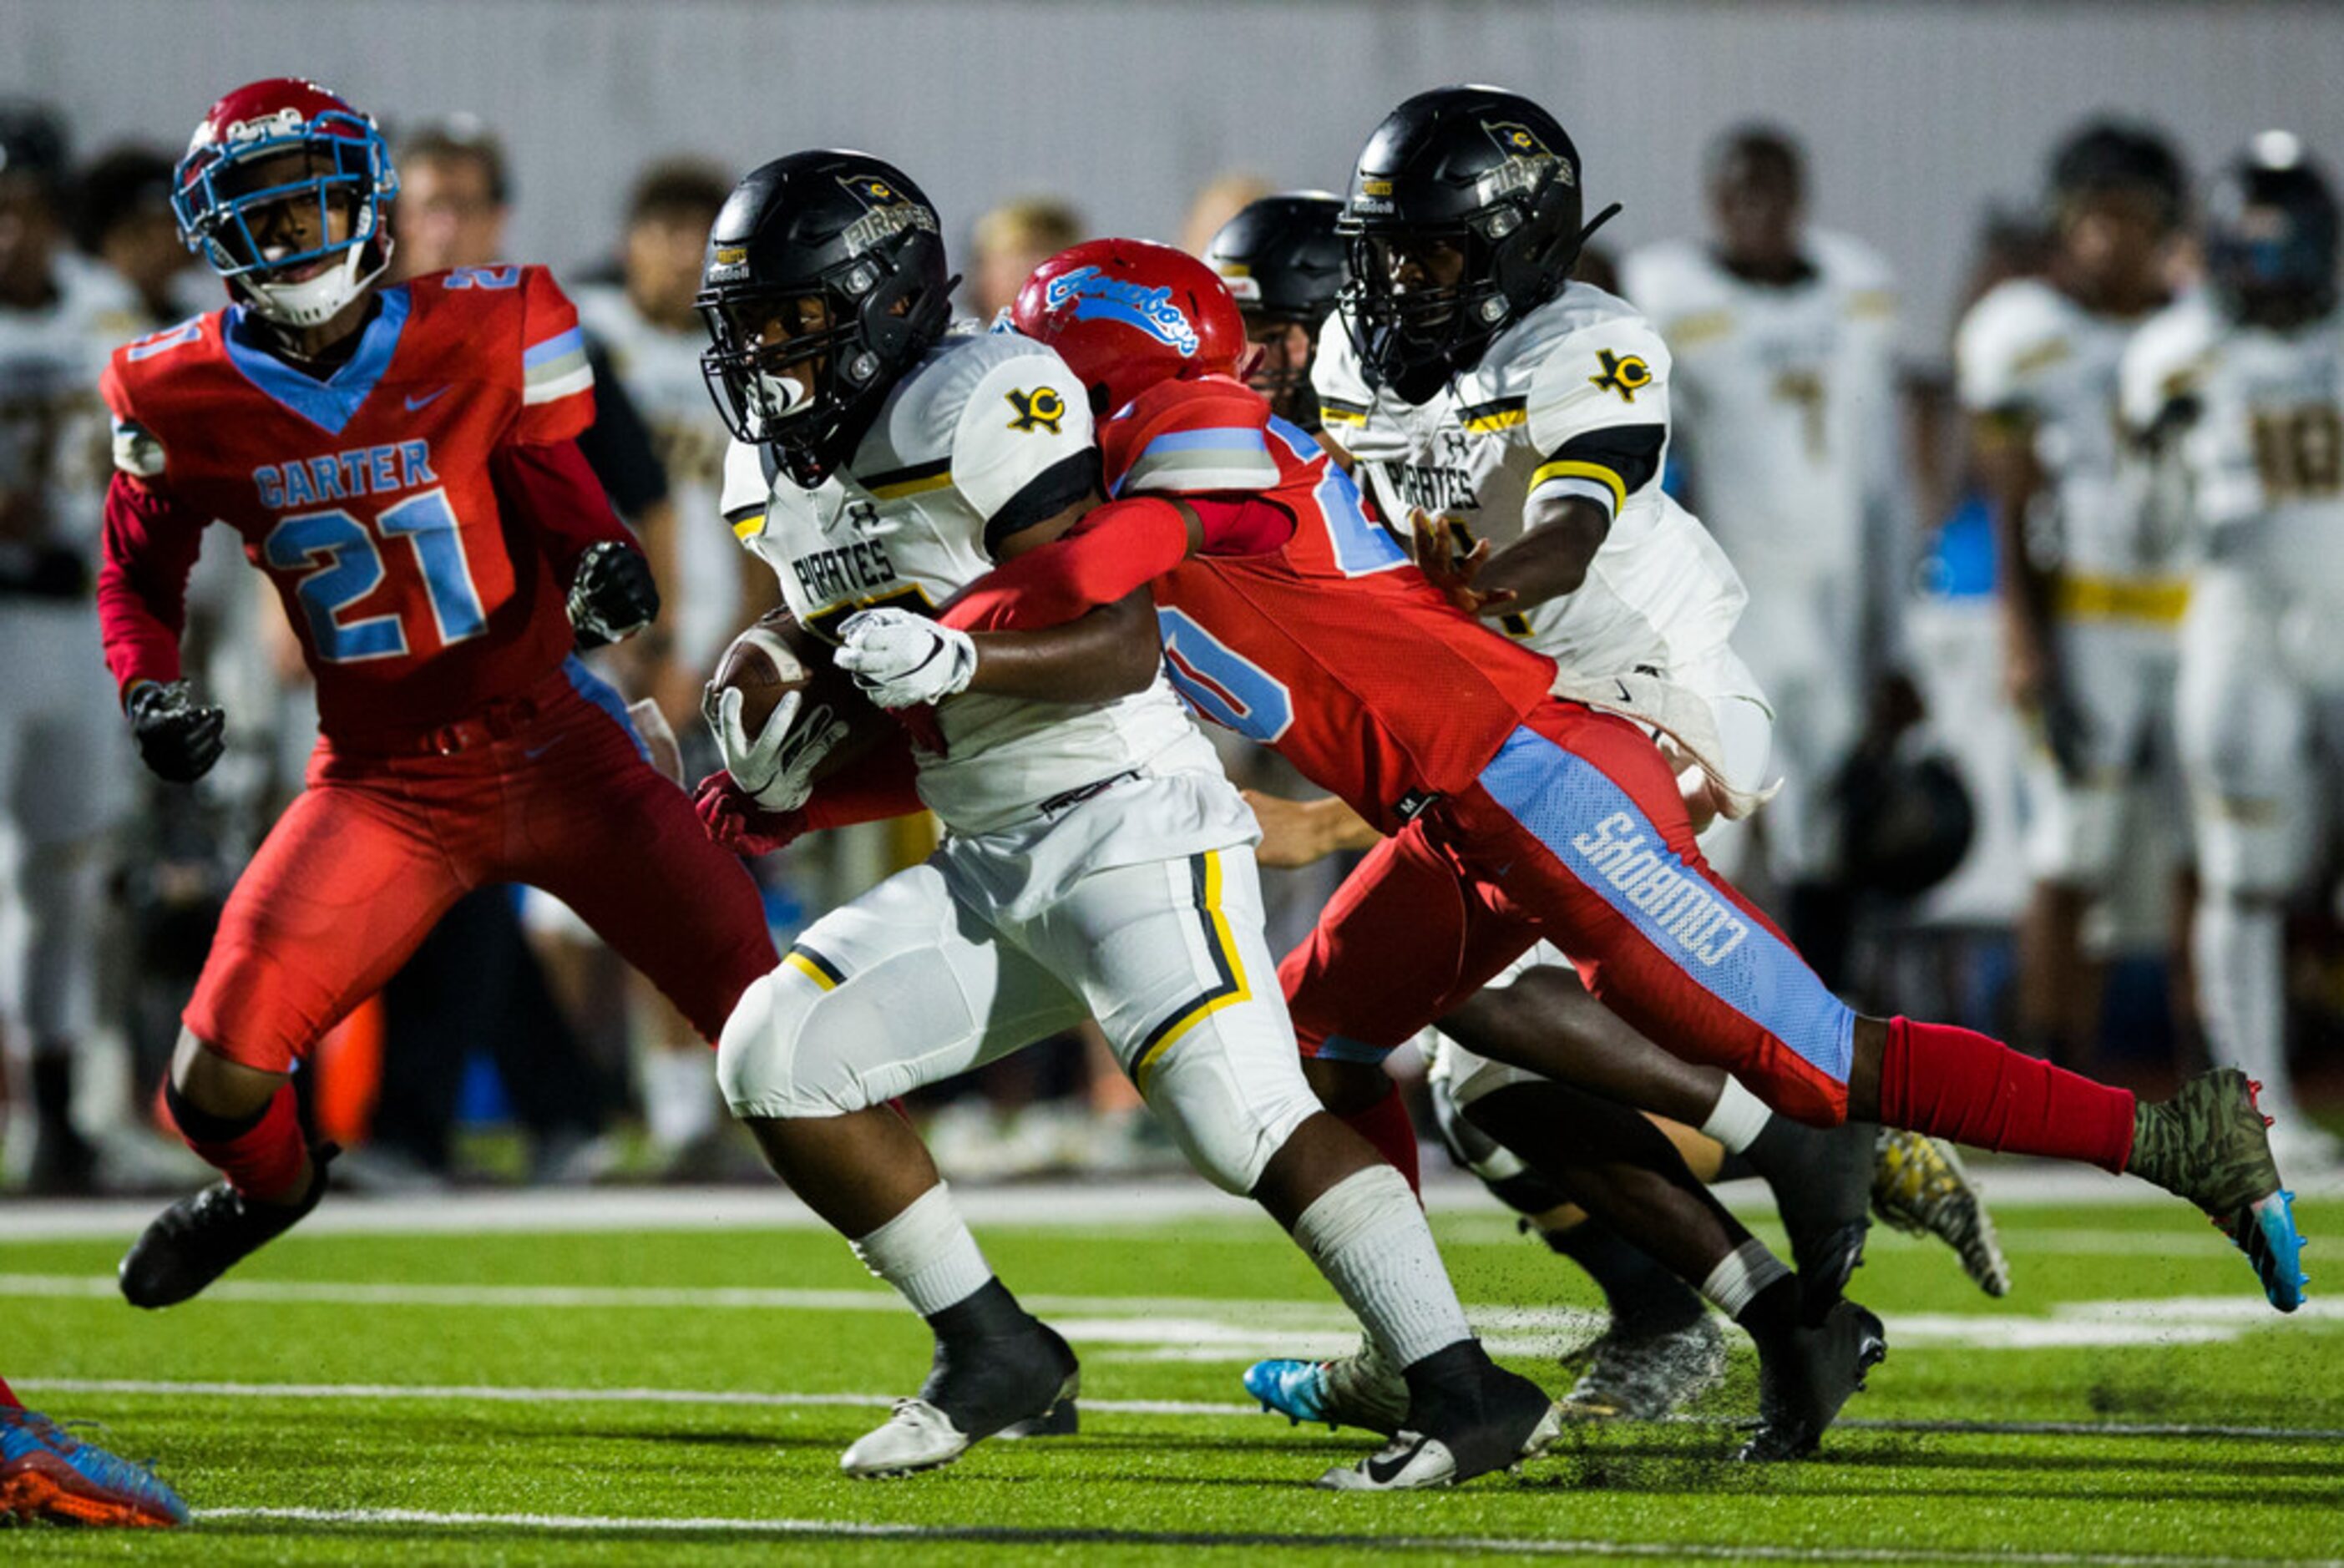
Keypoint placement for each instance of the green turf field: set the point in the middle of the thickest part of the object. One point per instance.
(680, 1397)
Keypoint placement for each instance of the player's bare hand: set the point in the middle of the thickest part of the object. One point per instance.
(1298, 833)
(900, 660)
(776, 766)
(735, 821)
(1454, 575)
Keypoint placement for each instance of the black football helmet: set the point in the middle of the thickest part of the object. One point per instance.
(847, 254)
(2271, 236)
(2106, 156)
(1283, 262)
(1482, 169)
(1907, 822)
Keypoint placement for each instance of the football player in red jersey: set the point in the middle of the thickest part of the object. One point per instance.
(1511, 815)
(400, 461)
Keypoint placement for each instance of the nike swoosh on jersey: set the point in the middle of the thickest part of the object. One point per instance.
(414, 403)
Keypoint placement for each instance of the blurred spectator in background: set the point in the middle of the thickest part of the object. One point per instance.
(65, 769)
(123, 220)
(1223, 196)
(2092, 583)
(1789, 448)
(1010, 241)
(652, 337)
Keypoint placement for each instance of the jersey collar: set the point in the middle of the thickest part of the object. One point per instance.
(333, 402)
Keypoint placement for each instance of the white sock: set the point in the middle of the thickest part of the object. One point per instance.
(1737, 1118)
(1736, 1281)
(679, 1096)
(1369, 1237)
(927, 1253)
(2239, 946)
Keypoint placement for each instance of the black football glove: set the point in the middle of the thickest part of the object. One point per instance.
(178, 738)
(612, 597)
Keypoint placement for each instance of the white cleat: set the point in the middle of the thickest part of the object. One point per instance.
(917, 1436)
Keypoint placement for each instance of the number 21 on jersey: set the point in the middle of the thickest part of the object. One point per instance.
(343, 560)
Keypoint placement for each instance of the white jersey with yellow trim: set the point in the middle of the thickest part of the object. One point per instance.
(54, 460)
(2252, 422)
(987, 436)
(1784, 403)
(660, 368)
(1572, 399)
(2029, 350)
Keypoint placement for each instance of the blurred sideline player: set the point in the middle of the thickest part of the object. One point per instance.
(1096, 861)
(48, 1476)
(122, 219)
(1283, 260)
(1784, 401)
(400, 461)
(2236, 386)
(1282, 543)
(63, 767)
(2093, 589)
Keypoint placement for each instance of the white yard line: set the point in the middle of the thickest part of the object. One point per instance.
(499, 1394)
(978, 1534)
(1104, 1203)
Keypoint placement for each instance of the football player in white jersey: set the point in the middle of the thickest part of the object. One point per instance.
(2240, 387)
(1784, 398)
(1530, 414)
(61, 763)
(2092, 587)
(1097, 861)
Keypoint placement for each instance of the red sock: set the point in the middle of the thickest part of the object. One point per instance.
(261, 1158)
(1385, 1124)
(9, 1400)
(1957, 1084)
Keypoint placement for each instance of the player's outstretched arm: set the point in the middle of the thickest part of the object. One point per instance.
(1559, 538)
(901, 660)
(1111, 550)
(148, 548)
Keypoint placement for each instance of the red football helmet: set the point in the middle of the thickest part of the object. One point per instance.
(1126, 313)
(348, 163)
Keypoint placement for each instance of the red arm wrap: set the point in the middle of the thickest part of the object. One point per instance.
(874, 787)
(547, 486)
(1115, 549)
(149, 547)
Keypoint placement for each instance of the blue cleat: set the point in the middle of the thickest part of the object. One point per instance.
(1360, 1389)
(47, 1475)
(2265, 1231)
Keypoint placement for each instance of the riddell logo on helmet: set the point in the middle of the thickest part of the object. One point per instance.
(285, 122)
(1097, 296)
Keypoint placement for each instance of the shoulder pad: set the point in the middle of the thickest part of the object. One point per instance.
(1189, 437)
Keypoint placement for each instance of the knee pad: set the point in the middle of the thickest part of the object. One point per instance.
(757, 1052)
(1228, 1114)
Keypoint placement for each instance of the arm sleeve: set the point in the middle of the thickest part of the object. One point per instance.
(548, 489)
(1112, 551)
(874, 787)
(618, 444)
(557, 396)
(149, 546)
(1598, 414)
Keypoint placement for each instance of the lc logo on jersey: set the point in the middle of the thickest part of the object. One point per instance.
(1040, 409)
(1623, 373)
(1099, 297)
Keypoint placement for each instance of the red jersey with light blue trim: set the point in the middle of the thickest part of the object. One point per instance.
(1329, 646)
(400, 505)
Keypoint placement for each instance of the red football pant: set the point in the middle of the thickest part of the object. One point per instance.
(364, 863)
(1575, 832)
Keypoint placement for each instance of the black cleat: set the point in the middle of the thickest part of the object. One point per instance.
(1806, 1375)
(1018, 1377)
(201, 1238)
(1467, 1417)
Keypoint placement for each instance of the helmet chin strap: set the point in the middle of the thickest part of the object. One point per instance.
(314, 301)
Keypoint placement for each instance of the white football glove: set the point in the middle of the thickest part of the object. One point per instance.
(900, 660)
(777, 766)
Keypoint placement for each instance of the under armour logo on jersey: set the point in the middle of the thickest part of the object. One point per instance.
(1623, 373)
(1097, 296)
(1042, 408)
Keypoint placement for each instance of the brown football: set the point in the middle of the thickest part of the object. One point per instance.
(777, 656)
